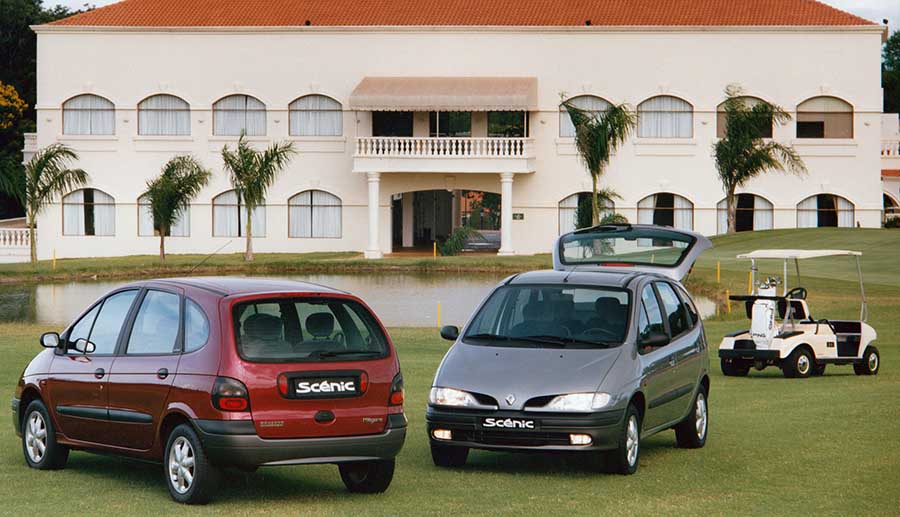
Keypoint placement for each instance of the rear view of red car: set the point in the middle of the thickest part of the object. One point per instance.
(209, 373)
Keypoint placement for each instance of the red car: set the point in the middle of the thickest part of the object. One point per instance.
(207, 373)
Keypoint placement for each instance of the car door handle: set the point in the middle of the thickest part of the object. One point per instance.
(162, 373)
(99, 373)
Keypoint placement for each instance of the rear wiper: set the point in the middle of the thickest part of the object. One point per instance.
(335, 353)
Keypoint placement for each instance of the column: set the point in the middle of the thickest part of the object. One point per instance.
(407, 210)
(506, 216)
(373, 251)
(456, 199)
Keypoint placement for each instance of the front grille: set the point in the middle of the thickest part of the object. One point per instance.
(515, 439)
(744, 344)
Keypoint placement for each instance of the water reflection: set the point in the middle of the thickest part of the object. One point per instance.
(398, 299)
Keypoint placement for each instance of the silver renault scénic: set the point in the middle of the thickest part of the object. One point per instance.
(604, 350)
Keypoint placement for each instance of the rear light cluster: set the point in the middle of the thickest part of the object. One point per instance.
(397, 391)
(230, 395)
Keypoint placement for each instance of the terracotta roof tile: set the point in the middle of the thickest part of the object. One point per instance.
(890, 173)
(554, 13)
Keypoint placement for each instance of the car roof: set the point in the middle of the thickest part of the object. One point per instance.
(608, 278)
(232, 286)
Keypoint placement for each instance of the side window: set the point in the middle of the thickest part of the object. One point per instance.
(693, 315)
(82, 329)
(674, 312)
(650, 318)
(109, 322)
(155, 329)
(196, 327)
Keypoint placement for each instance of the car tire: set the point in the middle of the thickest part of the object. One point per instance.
(691, 432)
(190, 477)
(39, 444)
(735, 367)
(819, 370)
(449, 456)
(870, 364)
(367, 477)
(626, 456)
(800, 364)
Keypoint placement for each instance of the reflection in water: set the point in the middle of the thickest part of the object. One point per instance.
(398, 299)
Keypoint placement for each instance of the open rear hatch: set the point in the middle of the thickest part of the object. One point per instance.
(647, 248)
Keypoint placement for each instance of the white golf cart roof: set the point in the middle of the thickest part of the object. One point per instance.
(797, 254)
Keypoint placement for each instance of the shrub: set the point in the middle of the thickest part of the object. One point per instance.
(457, 240)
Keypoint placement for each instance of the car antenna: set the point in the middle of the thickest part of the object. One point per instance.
(208, 257)
(566, 278)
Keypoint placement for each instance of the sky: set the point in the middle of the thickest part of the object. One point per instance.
(875, 10)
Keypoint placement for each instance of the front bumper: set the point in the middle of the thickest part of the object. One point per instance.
(551, 433)
(237, 444)
(15, 416)
(750, 354)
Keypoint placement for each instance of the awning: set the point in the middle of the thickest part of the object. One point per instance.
(445, 94)
(797, 254)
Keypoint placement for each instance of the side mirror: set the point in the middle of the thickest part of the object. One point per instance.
(50, 340)
(450, 332)
(84, 346)
(655, 340)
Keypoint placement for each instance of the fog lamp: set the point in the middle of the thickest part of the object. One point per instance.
(580, 439)
(442, 434)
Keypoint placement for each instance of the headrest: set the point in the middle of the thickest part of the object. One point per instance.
(531, 310)
(263, 326)
(607, 304)
(320, 324)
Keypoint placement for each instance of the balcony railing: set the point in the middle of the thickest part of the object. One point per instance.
(890, 148)
(426, 147)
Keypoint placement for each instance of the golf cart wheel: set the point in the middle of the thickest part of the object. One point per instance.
(449, 456)
(870, 364)
(691, 432)
(735, 367)
(625, 458)
(800, 363)
(819, 370)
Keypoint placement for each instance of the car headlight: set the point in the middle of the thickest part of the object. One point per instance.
(451, 397)
(579, 402)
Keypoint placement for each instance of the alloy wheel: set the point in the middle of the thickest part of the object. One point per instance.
(36, 436)
(181, 465)
(701, 414)
(632, 440)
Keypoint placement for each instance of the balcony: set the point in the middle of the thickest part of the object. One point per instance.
(890, 149)
(444, 155)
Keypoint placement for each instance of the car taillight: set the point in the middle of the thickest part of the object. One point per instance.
(283, 385)
(230, 395)
(363, 382)
(396, 398)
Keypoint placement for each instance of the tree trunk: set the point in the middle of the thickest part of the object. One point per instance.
(248, 255)
(31, 238)
(731, 208)
(595, 202)
(162, 245)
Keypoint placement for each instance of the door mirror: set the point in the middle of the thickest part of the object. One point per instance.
(450, 332)
(50, 340)
(655, 340)
(84, 346)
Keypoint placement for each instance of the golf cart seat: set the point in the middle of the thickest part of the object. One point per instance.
(799, 309)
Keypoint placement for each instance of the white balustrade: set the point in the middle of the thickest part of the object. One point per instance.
(890, 148)
(14, 238)
(442, 147)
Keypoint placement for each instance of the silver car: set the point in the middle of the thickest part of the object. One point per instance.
(597, 354)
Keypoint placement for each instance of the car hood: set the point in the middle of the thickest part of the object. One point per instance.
(525, 373)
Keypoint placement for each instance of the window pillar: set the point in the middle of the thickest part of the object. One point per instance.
(373, 251)
(506, 216)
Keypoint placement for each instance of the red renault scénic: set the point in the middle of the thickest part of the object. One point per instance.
(206, 373)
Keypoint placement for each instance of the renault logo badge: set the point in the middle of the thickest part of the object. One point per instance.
(510, 399)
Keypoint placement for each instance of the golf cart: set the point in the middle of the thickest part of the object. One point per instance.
(799, 344)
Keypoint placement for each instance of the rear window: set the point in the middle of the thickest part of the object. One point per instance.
(624, 246)
(307, 329)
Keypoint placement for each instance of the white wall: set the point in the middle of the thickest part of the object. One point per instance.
(278, 66)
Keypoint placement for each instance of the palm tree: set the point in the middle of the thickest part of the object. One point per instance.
(597, 136)
(170, 194)
(252, 172)
(47, 175)
(743, 154)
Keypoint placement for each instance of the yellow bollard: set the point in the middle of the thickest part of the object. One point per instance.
(54, 259)
(434, 249)
(728, 300)
(749, 282)
(439, 315)
(718, 272)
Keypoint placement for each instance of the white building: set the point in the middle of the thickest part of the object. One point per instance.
(389, 98)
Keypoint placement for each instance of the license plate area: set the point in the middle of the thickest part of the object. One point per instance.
(510, 424)
(324, 385)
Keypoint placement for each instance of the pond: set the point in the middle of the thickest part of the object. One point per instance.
(400, 300)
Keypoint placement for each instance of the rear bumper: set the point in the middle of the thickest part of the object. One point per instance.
(752, 355)
(15, 416)
(552, 433)
(237, 444)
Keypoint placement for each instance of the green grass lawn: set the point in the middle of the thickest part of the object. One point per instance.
(828, 445)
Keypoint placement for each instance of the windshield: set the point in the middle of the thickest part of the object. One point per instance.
(624, 246)
(306, 329)
(552, 316)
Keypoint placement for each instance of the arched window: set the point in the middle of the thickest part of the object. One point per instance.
(316, 115)
(891, 207)
(181, 228)
(749, 102)
(89, 115)
(592, 104)
(824, 210)
(666, 209)
(230, 217)
(824, 117)
(575, 211)
(165, 115)
(665, 116)
(89, 212)
(314, 214)
(239, 113)
(752, 213)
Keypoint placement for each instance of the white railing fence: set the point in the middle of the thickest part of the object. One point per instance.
(890, 148)
(14, 238)
(426, 147)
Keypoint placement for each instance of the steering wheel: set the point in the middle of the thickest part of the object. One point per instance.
(604, 334)
(797, 293)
